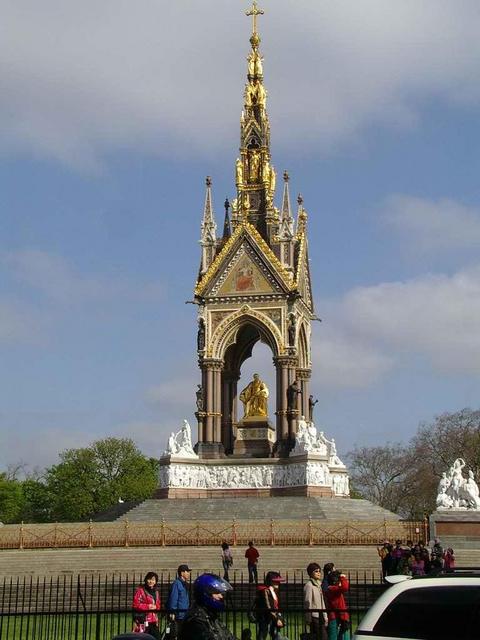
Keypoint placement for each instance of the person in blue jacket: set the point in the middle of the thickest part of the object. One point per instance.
(179, 600)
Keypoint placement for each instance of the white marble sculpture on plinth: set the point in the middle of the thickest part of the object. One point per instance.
(457, 492)
(312, 463)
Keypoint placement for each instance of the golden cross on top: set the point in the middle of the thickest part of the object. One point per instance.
(254, 12)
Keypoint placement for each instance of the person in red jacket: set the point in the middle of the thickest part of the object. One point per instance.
(338, 617)
(252, 556)
(146, 603)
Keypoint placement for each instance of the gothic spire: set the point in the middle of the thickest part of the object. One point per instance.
(255, 177)
(208, 230)
(286, 220)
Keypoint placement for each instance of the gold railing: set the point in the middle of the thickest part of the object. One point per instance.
(272, 532)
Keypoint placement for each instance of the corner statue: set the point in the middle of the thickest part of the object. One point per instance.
(254, 398)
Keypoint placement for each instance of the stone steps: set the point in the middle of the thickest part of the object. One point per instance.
(139, 560)
(242, 509)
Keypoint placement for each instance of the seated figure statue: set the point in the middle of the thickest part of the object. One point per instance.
(254, 398)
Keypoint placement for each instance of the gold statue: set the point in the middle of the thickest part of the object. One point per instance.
(254, 165)
(254, 398)
(239, 171)
(261, 95)
(250, 94)
(272, 181)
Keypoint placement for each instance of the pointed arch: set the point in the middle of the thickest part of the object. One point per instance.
(303, 347)
(227, 331)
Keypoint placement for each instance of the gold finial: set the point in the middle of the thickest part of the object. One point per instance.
(300, 200)
(254, 12)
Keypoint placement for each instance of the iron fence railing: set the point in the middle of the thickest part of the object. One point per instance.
(205, 533)
(97, 607)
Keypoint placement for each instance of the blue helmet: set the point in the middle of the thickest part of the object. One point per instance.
(205, 586)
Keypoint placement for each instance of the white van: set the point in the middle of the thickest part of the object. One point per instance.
(446, 607)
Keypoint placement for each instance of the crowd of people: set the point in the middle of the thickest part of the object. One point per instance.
(326, 615)
(415, 559)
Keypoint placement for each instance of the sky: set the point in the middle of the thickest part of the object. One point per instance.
(112, 113)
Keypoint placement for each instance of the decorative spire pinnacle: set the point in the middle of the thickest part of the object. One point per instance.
(286, 219)
(209, 228)
(227, 230)
(254, 12)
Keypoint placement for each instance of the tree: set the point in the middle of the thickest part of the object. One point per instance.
(404, 478)
(383, 475)
(92, 479)
(11, 499)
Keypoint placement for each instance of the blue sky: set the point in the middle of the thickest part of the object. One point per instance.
(111, 115)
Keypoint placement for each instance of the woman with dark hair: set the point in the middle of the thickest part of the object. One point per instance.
(313, 603)
(146, 603)
(267, 607)
(327, 568)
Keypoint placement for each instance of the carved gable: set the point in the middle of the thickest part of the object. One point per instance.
(245, 267)
(245, 278)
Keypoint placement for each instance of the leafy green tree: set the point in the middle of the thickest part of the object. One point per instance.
(92, 479)
(37, 501)
(11, 499)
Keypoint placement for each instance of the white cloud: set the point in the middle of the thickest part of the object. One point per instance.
(85, 78)
(436, 317)
(59, 281)
(429, 225)
(341, 360)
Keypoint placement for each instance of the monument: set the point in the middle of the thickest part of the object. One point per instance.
(253, 285)
(457, 518)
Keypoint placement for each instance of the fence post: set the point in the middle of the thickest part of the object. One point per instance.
(272, 533)
(20, 537)
(163, 532)
(126, 532)
(198, 533)
(55, 534)
(385, 529)
(234, 532)
(310, 531)
(90, 534)
(97, 626)
(347, 533)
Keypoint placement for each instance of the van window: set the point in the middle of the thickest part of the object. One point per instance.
(432, 613)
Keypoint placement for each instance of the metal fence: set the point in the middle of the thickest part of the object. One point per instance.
(99, 607)
(205, 533)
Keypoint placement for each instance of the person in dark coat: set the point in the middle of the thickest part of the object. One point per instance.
(202, 620)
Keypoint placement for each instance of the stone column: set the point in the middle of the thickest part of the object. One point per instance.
(229, 390)
(209, 408)
(285, 367)
(303, 377)
(210, 446)
(217, 402)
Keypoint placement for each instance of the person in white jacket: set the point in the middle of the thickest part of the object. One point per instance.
(313, 599)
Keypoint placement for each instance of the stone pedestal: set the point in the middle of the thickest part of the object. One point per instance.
(255, 438)
(456, 528)
(213, 450)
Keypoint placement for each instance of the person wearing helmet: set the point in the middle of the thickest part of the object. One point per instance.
(267, 607)
(202, 620)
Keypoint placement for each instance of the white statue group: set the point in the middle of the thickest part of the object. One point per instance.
(180, 443)
(308, 441)
(457, 492)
